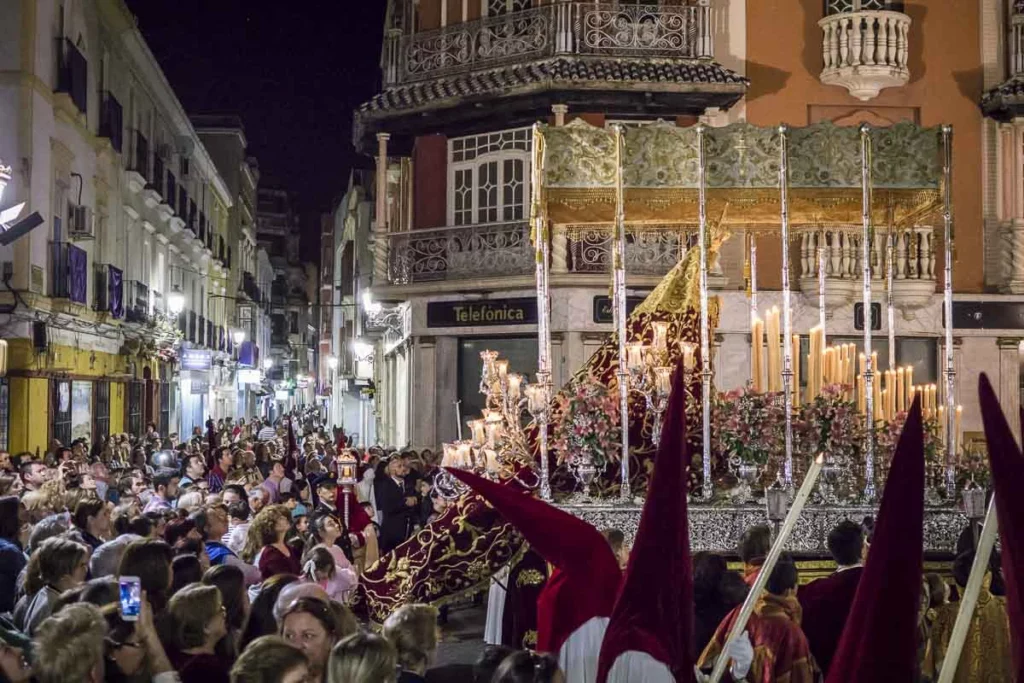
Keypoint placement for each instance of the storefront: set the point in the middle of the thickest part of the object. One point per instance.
(196, 371)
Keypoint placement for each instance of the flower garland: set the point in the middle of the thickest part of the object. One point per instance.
(588, 423)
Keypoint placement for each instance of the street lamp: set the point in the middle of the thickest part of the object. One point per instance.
(175, 301)
(368, 304)
(268, 363)
(332, 362)
(362, 351)
(238, 336)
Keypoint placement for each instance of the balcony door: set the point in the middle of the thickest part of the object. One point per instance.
(496, 7)
(489, 178)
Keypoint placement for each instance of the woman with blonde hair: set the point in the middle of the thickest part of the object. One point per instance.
(58, 565)
(363, 658)
(265, 546)
(199, 622)
(271, 659)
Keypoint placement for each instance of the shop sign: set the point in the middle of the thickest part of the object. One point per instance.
(604, 313)
(282, 395)
(196, 359)
(249, 377)
(200, 387)
(486, 313)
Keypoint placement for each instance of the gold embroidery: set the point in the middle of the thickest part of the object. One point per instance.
(530, 577)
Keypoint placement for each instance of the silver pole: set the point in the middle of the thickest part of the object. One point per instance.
(821, 286)
(753, 277)
(947, 291)
(705, 341)
(787, 315)
(890, 249)
(619, 291)
(865, 255)
(542, 248)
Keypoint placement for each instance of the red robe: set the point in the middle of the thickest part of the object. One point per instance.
(781, 652)
(358, 520)
(826, 604)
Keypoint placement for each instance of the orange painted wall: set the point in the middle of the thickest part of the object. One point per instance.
(784, 62)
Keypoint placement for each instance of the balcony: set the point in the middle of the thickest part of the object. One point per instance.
(136, 302)
(72, 74)
(108, 290)
(865, 46)
(1005, 101)
(69, 272)
(138, 162)
(504, 249)
(112, 121)
(157, 186)
(914, 264)
(574, 53)
(170, 198)
(249, 286)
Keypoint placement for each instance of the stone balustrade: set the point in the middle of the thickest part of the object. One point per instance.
(865, 51)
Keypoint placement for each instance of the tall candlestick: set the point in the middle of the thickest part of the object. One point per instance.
(901, 392)
(705, 333)
(756, 351)
(947, 298)
(542, 257)
(619, 292)
(860, 394)
(958, 430)
(752, 240)
(790, 358)
(865, 256)
(821, 284)
(774, 357)
(908, 382)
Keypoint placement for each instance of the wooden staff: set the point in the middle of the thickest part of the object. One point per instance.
(970, 598)
(769, 565)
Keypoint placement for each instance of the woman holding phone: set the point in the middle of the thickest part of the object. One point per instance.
(133, 647)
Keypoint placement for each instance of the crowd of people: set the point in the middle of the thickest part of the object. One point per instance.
(246, 551)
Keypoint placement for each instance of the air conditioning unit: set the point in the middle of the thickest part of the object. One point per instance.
(80, 221)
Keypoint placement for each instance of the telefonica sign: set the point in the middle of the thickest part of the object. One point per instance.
(196, 359)
(484, 313)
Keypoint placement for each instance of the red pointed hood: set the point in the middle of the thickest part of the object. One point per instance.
(588, 575)
(654, 610)
(1007, 464)
(879, 642)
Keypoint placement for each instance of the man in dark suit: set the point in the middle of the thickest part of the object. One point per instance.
(826, 602)
(397, 502)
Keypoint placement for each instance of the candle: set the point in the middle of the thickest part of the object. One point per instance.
(863, 363)
(463, 455)
(689, 355)
(491, 462)
(827, 366)
(756, 362)
(794, 355)
(876, 397)
(663, 381)
(931, 397)
(536, 398)
(501, 367)
(861, 398)
(635, 356)
(901, 392)
(774, 364)
(477, 432)
(660, 343)
(942, 425)
(514, 382)
(908, 381)
(885, 405)
(754, 596)
(493, 434)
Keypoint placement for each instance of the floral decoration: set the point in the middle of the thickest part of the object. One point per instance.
(588, 421)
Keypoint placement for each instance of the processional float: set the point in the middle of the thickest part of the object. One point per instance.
(700, 184)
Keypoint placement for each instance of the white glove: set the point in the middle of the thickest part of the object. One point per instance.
(700, 677)
(741, 652)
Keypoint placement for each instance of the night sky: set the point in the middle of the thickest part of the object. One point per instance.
(293, 76)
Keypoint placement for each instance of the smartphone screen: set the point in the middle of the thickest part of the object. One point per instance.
(131, 597)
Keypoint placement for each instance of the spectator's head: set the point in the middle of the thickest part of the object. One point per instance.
(13, 517)
(239, 512)
(195, 468)
(846, 543)
(186, 569)
(528, 667)
(294, 591)
(233, 493)
(48, 527)
(191, 500)
(140, 526)
(412, 629)
(617, 540)
(938, 590)
(258, 499)
(225, 460)
(784, 576)
(165, 484)
(100, 592)
(198, 615)
(489, 661)
(60, 563)
(230, 581)
(33, 474)
(326, 489)
(363, 658)
(755, 545)
(211, 522)
(270, 659)
(15, 648)
(69, 646)
(106, 558)
(708, 570)
(93, 516)
(269, 526)
(313, 626)
(150, 560)
(177, 530)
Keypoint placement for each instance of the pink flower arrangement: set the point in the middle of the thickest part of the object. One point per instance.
(588, 422)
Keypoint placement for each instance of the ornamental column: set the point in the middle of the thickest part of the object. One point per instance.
(380, 227)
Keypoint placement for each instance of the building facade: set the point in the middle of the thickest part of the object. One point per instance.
(119, 277)
(464, 80)
(248, 303)
(294, 292)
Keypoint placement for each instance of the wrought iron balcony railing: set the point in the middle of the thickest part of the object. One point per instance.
(136, 300)
(561, 28)
(69, 272)
(504, 249)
